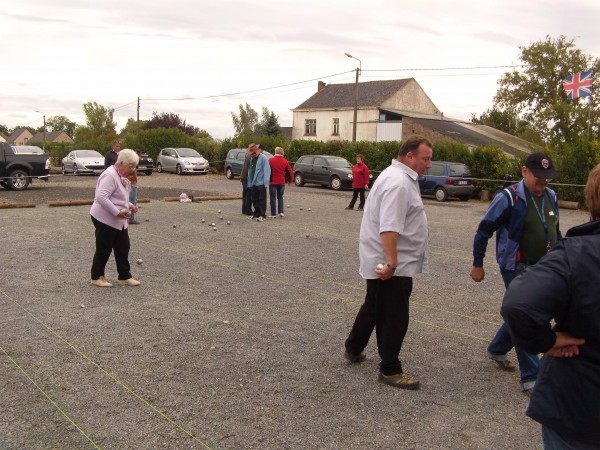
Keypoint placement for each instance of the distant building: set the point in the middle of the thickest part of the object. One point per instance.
(388, 110)
(52, 136)
(19, 137)
(2, 138)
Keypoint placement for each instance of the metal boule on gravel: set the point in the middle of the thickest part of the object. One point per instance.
(228, 222)
(139, 262)
(202, 221)
(174, 225)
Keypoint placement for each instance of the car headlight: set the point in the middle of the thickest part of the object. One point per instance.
(206, 164)
(149, 159)
(370, 175)
(350, 175)
(187, 163)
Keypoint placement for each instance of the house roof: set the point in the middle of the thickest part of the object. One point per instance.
(476, 135)
(15, 134)
(50, 136)
(370, 94)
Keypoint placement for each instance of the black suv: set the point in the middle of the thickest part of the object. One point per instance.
(145, 165)
(332, 171)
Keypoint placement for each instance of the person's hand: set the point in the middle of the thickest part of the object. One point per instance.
(566, 346)
(478, 274)
(385, 273)
(134, 208)
(123, 214)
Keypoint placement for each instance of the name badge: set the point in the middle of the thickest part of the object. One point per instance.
(551, 213)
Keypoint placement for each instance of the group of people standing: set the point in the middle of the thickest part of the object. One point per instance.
(548, 279)
(260, 174)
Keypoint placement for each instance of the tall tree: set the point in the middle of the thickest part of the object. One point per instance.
(268, 125)
(170, 120)
(100, 130)
(245, 124)
(536, 94)
(4, 129)
(61, 123)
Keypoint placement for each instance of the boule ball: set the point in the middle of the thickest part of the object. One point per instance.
(214, 228)
(309, 209)
(300, 209)
(174, 225)
(221, 218)
(219, 211)
(139, 262)
(379, 266)
(228, 222)
(147, 220)
(288, 206)
(203, 221)
(307, 235)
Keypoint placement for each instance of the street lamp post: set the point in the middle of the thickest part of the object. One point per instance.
(44, 136)
(358, 70)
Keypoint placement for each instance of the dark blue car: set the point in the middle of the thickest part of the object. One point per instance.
(447, 179)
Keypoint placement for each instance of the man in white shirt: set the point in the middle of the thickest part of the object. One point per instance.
(392, 249)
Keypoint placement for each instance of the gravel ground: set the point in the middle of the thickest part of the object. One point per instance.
(235, 337)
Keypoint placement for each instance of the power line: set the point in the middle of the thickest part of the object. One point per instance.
(443, 68)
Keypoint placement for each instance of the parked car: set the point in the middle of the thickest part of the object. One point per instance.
(325, 170)
(145, 165)
(235, 161)
(181, 161)
(83, 161)
(447, 179)
(17, 170)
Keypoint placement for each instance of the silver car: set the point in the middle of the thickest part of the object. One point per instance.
(181, 161)
(83, 161)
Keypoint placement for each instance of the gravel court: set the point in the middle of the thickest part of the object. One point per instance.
(283, 343)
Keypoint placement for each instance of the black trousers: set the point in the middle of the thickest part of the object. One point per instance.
(246, 199)
(109, 239)
(357, 191)
(259, 201)
(386, 310)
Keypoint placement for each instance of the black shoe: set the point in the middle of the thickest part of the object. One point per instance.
(359, 209)
(354, 359)
(349, 207)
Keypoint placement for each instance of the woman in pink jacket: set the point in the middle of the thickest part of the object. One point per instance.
(360, 182)
(110, 215)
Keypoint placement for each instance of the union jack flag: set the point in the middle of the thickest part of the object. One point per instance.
(578, 85)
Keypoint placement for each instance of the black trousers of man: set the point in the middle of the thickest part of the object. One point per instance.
(109, 239)
(259, 201)
(386, 310)
(246, 199)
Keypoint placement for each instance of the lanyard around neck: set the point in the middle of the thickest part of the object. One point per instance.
(542, 217)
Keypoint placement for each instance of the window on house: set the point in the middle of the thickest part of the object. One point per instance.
(310, 127)
(336, 127)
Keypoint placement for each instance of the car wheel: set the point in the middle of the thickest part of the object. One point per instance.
(64, 170)
(440, 194)
(159, 168)
(335, 183)
(75, 169)
(298, 179)
(178, 169)
(229, 173)
(18, 180)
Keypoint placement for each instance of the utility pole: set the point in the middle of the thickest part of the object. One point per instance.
(138, 116)
(358, 70)
(44, 134)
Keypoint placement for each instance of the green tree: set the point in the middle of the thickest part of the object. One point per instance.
(61, 123)
(100, 130)
(245, 124)
(170, 120)
(536, 93)
(268, 125)
(4, 129)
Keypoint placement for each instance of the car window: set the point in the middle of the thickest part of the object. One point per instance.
(320, 162)
(241, 156)
(459, 170)
(88, 154)
(436, 170)
(188, 153)
(307, 160)
(338, 162)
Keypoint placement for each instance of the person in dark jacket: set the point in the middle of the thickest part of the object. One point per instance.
(111, 157)
(246, 195)
(564, 286)
(360, 182)
(525, 219)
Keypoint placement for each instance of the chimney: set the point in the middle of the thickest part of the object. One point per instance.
(321, 86)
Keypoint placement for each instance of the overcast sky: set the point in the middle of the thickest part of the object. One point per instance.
(59, 55)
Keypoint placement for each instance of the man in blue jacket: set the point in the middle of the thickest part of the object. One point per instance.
(259, 176)
(525, 219)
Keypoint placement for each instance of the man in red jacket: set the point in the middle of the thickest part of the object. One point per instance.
(281, 173)
(360, 182)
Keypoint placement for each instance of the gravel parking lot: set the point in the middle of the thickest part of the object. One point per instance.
(235, 337)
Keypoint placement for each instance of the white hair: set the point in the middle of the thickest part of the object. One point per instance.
(128, 156)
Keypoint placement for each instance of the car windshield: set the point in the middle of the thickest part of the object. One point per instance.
(338, 162)
(88, 154)
(188, 153)
(459, 170)
(28, 149)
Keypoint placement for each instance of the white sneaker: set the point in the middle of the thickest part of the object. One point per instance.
(128, 282)
(282, 214)
(261, 219)
(272, 217)
(100, 282)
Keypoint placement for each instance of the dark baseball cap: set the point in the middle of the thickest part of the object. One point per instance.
(262, 147)
(541, 166)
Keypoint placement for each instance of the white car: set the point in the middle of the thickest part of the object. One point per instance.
(83, 161)
(181, 161)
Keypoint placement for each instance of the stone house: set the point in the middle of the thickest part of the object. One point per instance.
(19, 137)
(51, 136)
